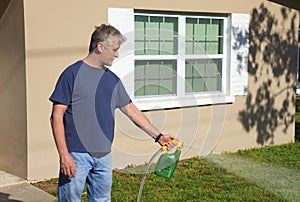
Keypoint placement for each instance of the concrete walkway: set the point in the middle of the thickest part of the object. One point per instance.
(15, 189)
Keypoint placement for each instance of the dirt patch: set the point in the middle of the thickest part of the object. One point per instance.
(49, 186)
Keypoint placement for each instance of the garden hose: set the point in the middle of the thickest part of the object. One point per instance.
(145, 173)
(163, 148)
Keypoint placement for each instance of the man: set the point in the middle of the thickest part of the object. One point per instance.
(82, 120)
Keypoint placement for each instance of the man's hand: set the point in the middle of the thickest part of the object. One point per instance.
(166, 140)
(67, 165)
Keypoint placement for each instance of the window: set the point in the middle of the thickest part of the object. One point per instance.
(204, 37)
(155, 77)
(157, 45)
(181, 59)
(203, 75)
(156, 37)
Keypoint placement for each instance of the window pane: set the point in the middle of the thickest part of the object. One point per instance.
(152, 71)
(199, 85)
(139, 89)
(165, 86)
(189, 32)
(139, 70)
(156, 35)
(139, 34)
(201, 29)
(204, 36)
(203, 75)
(151, 87)
(155, 77)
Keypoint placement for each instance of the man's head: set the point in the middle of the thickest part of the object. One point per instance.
(105, 34)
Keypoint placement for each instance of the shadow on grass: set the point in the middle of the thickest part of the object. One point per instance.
(297, 120)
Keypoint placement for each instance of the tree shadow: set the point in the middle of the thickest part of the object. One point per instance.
(272, 74)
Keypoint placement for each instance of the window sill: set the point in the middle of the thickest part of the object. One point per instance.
(168, 102)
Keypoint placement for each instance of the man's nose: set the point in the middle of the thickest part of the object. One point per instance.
(117, 54)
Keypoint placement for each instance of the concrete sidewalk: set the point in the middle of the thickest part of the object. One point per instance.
(15, 189)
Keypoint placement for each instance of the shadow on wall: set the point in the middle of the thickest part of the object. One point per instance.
(272, 74)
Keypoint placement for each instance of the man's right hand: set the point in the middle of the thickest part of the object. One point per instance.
(67, 165)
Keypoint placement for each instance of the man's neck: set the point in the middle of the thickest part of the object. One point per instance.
(93, 61)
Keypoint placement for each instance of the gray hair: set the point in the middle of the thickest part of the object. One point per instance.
(105, 33)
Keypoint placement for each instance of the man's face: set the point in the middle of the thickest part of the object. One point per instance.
(109, 53)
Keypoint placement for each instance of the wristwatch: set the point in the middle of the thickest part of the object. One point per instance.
(158, 137)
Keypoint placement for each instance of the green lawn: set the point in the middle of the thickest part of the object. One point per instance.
(261, 174)
(297, 120)
(264, 174)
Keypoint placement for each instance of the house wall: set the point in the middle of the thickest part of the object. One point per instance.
(53, 41)
(13, 144)
(263, 117)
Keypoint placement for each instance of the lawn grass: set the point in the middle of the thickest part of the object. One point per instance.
(261, 174)
(219, 178)
(297, 120)
(269, 173)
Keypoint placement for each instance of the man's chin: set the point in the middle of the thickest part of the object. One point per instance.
(108, 65)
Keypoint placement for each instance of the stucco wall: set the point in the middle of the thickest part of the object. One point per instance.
(53, 41)
(57, 39)
(13, 144)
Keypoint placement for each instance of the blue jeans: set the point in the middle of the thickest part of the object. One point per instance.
(96, 172)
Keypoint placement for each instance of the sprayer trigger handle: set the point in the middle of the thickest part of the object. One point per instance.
(165, 148)
(175, 141)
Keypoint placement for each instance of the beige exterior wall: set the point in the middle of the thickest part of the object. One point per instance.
(56, 39)
(13, 144)
(53, 41)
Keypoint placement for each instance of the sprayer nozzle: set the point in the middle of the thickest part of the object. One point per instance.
(181, 144)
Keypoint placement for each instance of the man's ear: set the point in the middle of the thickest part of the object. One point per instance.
(100, 47)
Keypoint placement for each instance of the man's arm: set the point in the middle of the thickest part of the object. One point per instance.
(143, 122)
(67, 164)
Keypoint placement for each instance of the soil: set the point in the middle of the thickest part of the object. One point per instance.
(49, 186)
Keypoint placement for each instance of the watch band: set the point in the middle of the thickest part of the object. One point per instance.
(158, 137)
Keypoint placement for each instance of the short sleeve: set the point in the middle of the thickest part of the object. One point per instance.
(63, 90)
(123, 98)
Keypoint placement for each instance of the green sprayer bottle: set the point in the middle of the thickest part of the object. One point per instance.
(167, 163)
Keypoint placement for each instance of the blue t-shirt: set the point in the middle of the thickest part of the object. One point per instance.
(92, 95)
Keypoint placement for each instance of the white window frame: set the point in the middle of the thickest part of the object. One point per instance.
(234, 73)
(182, 98)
